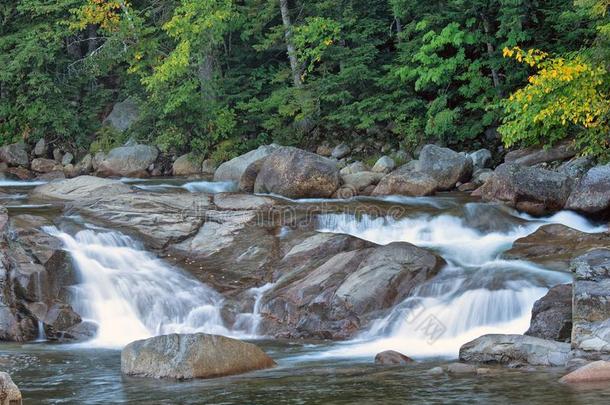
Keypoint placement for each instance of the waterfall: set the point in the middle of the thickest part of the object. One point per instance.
(130, 294)
(248, 323)
(475, 294)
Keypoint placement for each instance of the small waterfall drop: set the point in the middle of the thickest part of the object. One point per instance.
(477, 293)
(130, 294)
(248, 323)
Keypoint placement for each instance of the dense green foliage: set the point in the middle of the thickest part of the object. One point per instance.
(221, 76)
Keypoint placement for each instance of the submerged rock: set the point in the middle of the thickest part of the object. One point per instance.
(515, 351)
(392, 357)
(461, 368)
(552, 315)
(591, 301)
(592, 193)
(593, 372)
(295, 173)
(9, 392)
(530, 189)
(186, 356)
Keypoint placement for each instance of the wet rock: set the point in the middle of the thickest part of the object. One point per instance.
(353, 168)
(391, 357)
(530, 189)
(128, 160)
(515, 351)
(189, 356)
(406, 182)
(235, 168)
(591, 301)
(340, 151)
(593, 372)
(123, 115)
(41, 165)
(385, 164)
(186, 165)
(331, 285)
(461, 368)
(240, 202)
(555, 245)
(552, 315)
(51, 176)
(360, 181)
(481, 159)
(445, 166)
(15, 154)
(9, 392)
(591, 194)
(59, 319)
(295, 173)
(533, 156)
(41, 149)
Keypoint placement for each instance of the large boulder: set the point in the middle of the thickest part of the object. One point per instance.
(295, 173)
(384, 164)
(248, 178)
(41, 165)
(591, 301)
(445, 166)
(123, 115)
(597, 371)
(235, 168)
(555, 245)
(9, 392)
(185, 356)
(330, 286)
(128, 160)
(406, 181)
(15, 154)
(186, 165)
(530, 189)
(552, 315)
(515, 351)
(535, 155)
(592, 193)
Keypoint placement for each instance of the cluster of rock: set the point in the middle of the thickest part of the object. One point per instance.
(34, 276)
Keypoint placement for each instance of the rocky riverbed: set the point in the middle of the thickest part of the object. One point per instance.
(290, 245)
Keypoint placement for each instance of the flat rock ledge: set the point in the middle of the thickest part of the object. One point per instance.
(186, 356)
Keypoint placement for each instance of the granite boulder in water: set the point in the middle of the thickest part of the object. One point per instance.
(9, 392)
(185, 356)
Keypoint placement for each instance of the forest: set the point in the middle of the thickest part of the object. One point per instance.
(220, 77)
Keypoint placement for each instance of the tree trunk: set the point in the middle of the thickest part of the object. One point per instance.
(292, 54)
(490, 51)
(206, 73)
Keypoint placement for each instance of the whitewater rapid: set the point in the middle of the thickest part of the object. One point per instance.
(477, 293)
(130, 294)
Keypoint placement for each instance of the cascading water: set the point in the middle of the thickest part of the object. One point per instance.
(476, 293)
(248, 323)
(130, 294)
